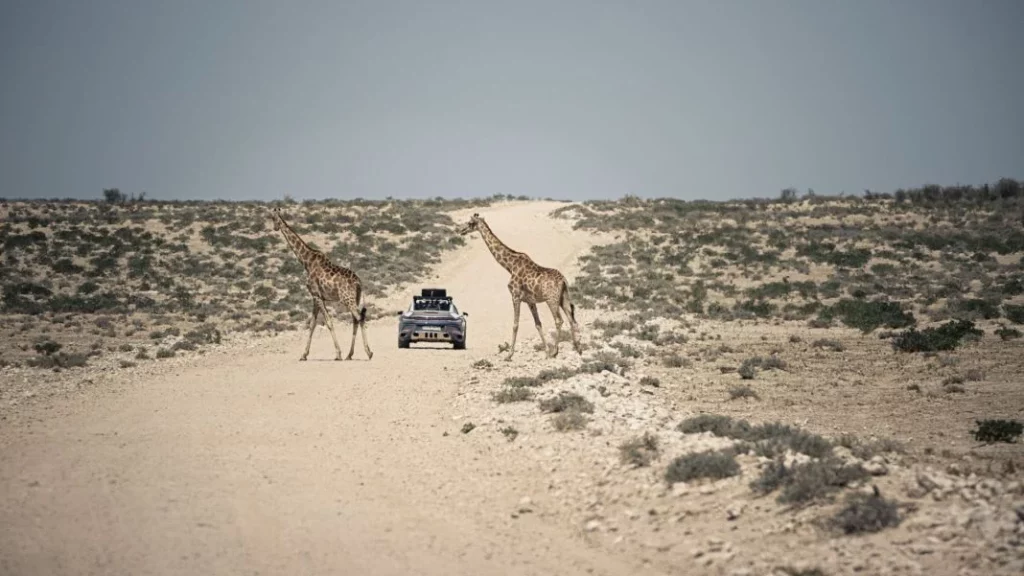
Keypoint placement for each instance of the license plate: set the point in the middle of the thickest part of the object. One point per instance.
(432, 328)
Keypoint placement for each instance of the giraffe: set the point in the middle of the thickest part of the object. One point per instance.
(530, 283)
(327, 283)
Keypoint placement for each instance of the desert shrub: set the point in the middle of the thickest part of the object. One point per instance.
(991, 431)
(47, 347)
(973, 308)
(650, 381)
(59, 360)
(639, 451)
(743, 391)
(565, 402)
(204, 334)
(766, 439)
(942, 338)
(719, 425)
(868, 315)
(612, 328)
(791, 571)
(522, 381)
(866, 513)
(866, 449)
(713, 464)
(1014, 313)
(510, 433)
(510, 394)
(186, 345)
(1007, 333)
(553, 374)
(676, 360)
(808, 481)
(828, 344)
(569, 420)
(748, 369)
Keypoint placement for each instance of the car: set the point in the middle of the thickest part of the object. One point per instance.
(432, 317)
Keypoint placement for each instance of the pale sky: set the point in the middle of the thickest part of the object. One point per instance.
(574, 99)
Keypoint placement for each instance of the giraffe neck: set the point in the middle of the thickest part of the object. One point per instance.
(302, 250)
(502, 254)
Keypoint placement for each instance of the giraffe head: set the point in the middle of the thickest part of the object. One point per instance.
(275, 217)
(473, 224)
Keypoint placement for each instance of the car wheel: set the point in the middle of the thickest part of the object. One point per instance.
(460, 345)
(403, 343)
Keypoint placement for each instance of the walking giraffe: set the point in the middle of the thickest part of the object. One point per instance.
(530, 283)
(327, 283)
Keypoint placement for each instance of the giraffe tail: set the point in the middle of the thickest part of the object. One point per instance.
(564, 298)
(362, 315)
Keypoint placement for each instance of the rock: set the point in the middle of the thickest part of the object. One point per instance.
(525, 505)
(989, 489)
(921, 549)
(876, 466)
(733, 512)
(934, 483)
(592, 526)
(680, 489)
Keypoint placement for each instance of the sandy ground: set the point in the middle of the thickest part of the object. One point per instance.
(246, 461)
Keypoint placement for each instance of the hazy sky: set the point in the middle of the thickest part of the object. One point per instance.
(715, 99)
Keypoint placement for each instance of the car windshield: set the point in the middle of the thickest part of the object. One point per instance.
(439, 304)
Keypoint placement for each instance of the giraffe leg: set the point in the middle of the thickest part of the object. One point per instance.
(570, 311)
(516, 301)
(312, 327)
(355, 327)
(362, 328)
(334, 337)
(540, 328)
(558, 326)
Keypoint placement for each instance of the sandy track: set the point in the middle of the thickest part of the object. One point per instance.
(247, 461)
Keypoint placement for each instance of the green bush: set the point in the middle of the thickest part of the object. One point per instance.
(943, 338)
(714, 464)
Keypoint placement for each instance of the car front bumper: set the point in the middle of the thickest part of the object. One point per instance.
(426, 331)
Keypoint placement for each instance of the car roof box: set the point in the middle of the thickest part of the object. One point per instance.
(434, 293)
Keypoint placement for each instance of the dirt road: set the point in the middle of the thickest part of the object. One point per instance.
(247, 461)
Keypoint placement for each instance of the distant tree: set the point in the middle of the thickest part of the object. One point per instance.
(1008, 188)
(114, 196)
(788, 194)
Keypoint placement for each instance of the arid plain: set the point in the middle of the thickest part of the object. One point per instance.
(812, 386)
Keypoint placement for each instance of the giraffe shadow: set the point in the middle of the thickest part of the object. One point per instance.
(333, 360)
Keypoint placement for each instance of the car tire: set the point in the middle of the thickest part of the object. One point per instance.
(459, 345)
(403, 343)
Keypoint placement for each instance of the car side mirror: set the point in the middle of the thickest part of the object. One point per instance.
(464, 313)
(399, 313)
